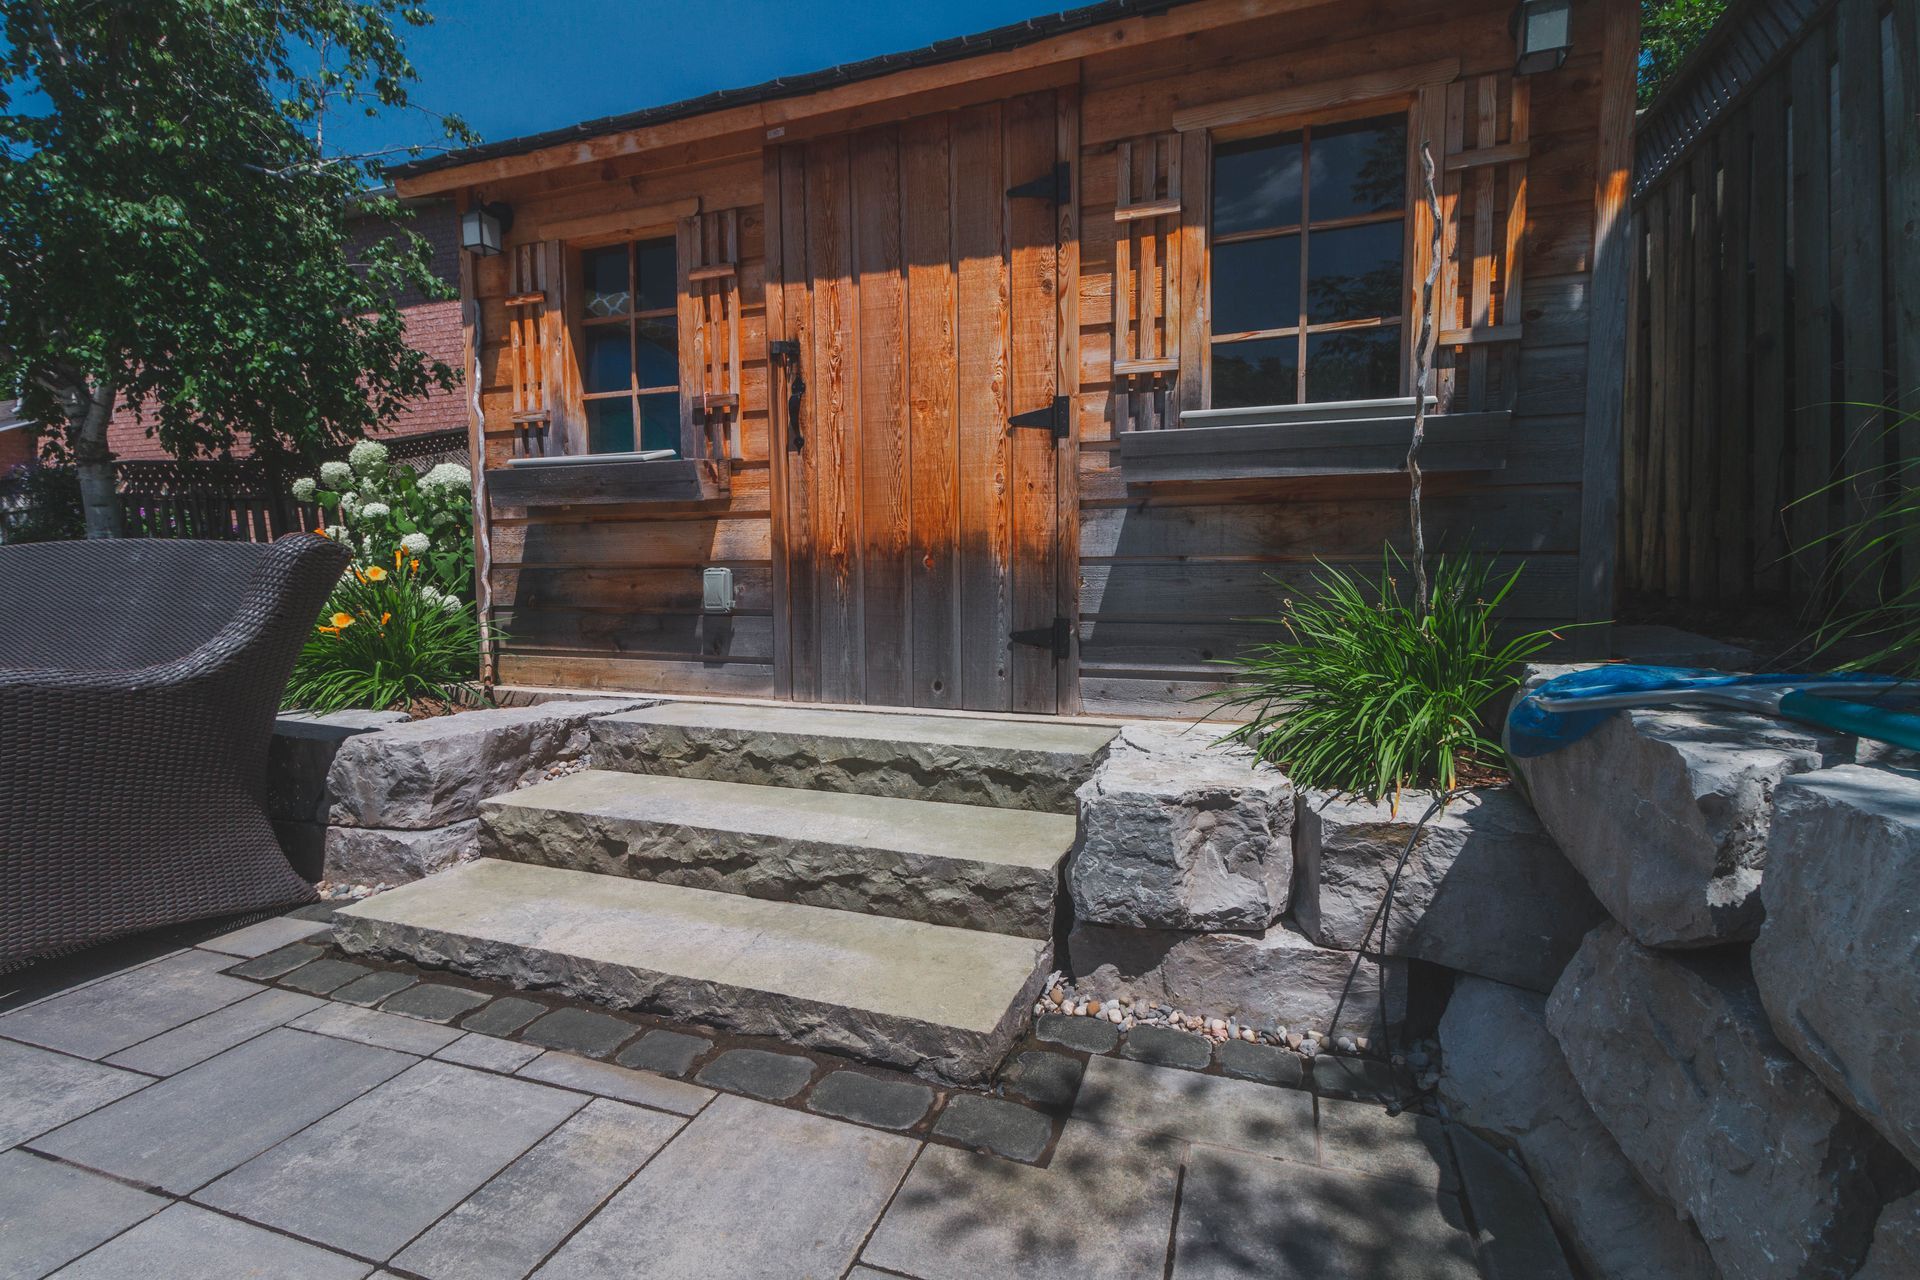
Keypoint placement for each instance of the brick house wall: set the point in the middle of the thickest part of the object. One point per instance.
(16, 442)
(433, 326)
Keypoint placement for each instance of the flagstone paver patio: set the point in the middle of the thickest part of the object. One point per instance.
(173, 1121)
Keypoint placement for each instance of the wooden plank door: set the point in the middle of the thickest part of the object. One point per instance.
(917, 529)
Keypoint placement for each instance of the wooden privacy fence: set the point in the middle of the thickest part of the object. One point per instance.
(1775, 304)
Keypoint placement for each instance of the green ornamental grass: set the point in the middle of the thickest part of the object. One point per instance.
(1360, 693)
(1871, 621)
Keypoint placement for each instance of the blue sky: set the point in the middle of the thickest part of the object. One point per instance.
(516, 68)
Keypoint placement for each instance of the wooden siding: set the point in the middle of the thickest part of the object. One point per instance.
(1169, 576)
(609, 596)
(1158, 583)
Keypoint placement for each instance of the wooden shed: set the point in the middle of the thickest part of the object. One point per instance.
(1018, 372)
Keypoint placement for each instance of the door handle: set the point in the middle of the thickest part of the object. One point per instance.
(786, 351)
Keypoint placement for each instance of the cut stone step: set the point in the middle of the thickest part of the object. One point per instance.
(1007, 764)
(944, 1003)
(959, 865)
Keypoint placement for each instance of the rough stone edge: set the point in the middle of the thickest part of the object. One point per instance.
(1018, 901)
(1041, 781)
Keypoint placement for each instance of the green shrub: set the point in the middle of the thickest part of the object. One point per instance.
(1360, 693)
(374, 505)
(389, 636)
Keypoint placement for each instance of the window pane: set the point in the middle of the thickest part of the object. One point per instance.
(656, 263)
(659, 359)
(605, 272)
(660, 421)
(1356, 364)
(609, 359)
(1359, 168)
(1259, 372)
(1256, 184)
(1354, 273)
(1256, 285)
(610, 426)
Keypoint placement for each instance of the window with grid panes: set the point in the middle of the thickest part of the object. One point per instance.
(1308, 264)
(629, 347)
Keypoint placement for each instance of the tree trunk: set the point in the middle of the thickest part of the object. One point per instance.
(88, 413)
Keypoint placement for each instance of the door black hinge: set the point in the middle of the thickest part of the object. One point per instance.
(1057, 637)
(1055, 186)
(1055, 419)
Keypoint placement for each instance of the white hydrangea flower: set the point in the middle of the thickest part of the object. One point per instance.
(336, 475)
(349, 503)
(415, 544)
(376, 511)
(303, 489)
(446, 475)
(337, 532)
(367, 455)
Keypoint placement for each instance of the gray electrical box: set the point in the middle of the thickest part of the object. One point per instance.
(716, 590)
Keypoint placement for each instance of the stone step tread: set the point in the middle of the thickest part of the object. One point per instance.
(925, 828)
(895, 968)
(962, 732)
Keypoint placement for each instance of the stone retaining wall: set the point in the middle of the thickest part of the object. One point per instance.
(1686, 991)
(1740, 1034)
(1203, 882)
(371, 797)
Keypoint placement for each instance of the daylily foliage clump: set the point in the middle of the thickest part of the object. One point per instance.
(401, 626)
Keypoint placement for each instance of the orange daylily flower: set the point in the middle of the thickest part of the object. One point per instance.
(321, 530)
(329, 631)
(375, 574)
(396, 557)
(342, 619)
(385, 618)
(413, 566)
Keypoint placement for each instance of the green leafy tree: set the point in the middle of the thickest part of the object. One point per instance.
(1669, 31)
(176, 234)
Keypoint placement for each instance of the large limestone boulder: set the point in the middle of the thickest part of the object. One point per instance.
(1675, 1055)
(1835, 961)
(1273, 978)
(300, 756)
(1896, 1243)
(1665, 814)
(1485, 890)
(1177, 832)
(431, 773)
(1505, 1077)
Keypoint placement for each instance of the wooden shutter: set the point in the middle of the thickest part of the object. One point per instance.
(1483, 201)
(709, 257)
(1146, 275)
(532, 319)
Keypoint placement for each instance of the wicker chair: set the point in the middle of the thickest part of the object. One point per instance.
(139, 681)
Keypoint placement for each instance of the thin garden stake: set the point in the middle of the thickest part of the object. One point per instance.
(1422, 371)
(1382, 914)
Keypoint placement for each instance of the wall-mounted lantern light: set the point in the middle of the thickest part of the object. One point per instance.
(1543, 30)
(482, 227)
